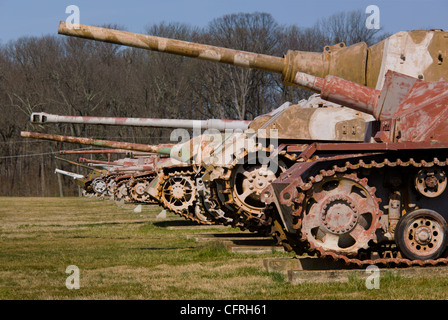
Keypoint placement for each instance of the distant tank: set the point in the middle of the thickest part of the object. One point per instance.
(170, 182)
(176, 187)
(93, 183)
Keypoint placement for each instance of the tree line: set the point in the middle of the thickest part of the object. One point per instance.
(72, 76)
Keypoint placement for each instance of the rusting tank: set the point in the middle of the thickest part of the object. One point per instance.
(234, 186)
(380, 202)
(175, 185)
(125, 178)
(130, 188)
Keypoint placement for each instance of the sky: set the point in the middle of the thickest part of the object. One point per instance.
(20, 18)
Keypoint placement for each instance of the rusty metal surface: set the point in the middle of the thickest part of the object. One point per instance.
(316, 119)
(317, 248)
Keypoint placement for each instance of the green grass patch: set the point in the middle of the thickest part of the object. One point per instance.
(124, 255)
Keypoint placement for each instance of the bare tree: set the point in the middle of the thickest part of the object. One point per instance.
(72, 76)
(237, 92)
(348, 27)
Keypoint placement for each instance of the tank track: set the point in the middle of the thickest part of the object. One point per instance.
(187, 213)
(302, 245)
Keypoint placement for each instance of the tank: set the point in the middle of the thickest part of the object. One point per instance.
(127, 178)
(93, 183)
(130, 173)
(372, 200)
(119, 179)
(379, 202)
(138, 189)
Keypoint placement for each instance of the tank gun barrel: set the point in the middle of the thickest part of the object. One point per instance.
(159, 149)
(293, 61)
(358, 62)
(179, 47)
(77, 164)
(69, 174)
(221, 125)
(343, 92)
(104, 151)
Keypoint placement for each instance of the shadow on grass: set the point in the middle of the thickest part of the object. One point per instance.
(176, 223)
(164, 248)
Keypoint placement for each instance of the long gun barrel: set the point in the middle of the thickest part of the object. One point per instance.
(417, 53)
(288, 66)
(159, 149)
(184, 48)
(218, 124)
(103, 151)
(77, 164)
(70, 174)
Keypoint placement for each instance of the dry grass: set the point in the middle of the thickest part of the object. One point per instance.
(127, 255)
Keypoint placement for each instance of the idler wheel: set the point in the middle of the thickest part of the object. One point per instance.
(422, 235)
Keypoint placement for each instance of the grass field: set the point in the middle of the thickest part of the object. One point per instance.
(126, 255)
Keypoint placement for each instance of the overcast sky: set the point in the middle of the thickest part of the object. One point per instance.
(41, 17)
